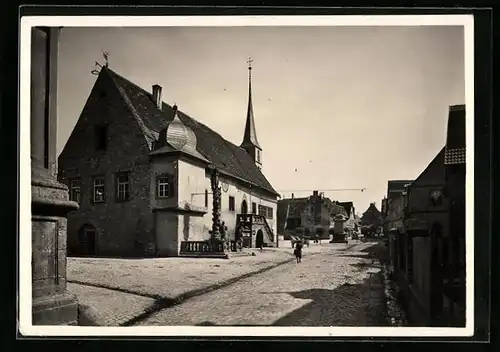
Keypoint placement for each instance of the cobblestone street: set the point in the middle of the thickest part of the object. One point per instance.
(329, 288)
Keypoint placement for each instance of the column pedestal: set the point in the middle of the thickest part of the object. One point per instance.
(52, 304)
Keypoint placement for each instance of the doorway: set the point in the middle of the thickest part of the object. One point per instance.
(259, 239)
(87, 240)
(244, 207)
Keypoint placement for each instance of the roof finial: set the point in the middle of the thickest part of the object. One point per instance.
(105, 54)
(249, 62)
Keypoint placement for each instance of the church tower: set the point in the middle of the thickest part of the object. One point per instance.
(250, 142)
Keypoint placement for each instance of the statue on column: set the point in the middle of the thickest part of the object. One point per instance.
(216, 191)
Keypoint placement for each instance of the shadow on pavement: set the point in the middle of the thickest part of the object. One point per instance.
(347, 305)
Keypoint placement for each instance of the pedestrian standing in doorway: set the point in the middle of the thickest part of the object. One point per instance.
(298, 251)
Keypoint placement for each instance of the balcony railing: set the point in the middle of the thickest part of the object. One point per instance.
(201, 247)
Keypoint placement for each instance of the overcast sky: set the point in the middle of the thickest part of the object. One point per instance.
(335, 107)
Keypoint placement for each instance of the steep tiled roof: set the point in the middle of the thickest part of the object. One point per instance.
(455, 139)
(227, 157)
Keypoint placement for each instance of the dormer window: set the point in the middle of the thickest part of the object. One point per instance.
(258, 156)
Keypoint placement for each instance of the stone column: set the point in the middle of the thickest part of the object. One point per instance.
(52, 304)
(214, 183)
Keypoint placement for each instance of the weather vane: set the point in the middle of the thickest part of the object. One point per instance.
(249, 62)
(98, 66)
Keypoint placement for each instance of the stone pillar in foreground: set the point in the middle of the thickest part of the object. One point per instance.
(52, 304)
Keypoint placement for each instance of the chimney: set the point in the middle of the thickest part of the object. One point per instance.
(292, 196)
(157, 96)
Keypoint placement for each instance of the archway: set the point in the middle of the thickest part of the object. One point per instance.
(87, 240)
(244, 207)
(259, 239)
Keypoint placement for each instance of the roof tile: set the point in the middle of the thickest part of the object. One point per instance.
(226, 156)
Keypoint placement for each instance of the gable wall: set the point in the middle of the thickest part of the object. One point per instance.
(123, 227)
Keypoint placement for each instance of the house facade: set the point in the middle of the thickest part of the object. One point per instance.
(371, 219)
(310, 215)
(428, 254)
(396, 191)
(350, 222)
(140, 170)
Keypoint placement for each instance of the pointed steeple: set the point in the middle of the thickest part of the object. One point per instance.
(250, 136)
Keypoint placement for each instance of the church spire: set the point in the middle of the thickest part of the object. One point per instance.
(250, 136)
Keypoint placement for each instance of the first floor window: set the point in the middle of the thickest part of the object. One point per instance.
(231, 203)
(122, 186)
(74, 191)
(262, 210)
(269, 212)
(164, 186)
(254, 208)
(98, 190)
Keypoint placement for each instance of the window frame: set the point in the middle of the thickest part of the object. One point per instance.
(72, 188)
(231, 203)
(118, 183)
(94, 179)
(169, 189)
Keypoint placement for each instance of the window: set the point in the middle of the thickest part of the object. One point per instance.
(231, 203)
(74, 190)
(101, 136)
(258, 155)
(122, 187)
(266, 211)
(206, 198)
(164, 186)
(262, 210)
(98, 190)
(254, 208)
(269, 212)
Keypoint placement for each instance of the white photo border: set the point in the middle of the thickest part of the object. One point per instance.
(24, 318)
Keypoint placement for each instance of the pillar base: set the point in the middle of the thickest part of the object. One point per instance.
(52, 303)
(57, 309)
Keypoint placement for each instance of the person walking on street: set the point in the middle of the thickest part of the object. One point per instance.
(298, 251)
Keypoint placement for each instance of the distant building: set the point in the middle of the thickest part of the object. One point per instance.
(350, 223)
(371, 218)
(308, 215)
(392, 216)
(140, 170)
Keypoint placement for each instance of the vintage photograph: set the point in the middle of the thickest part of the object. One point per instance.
(248, 176)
